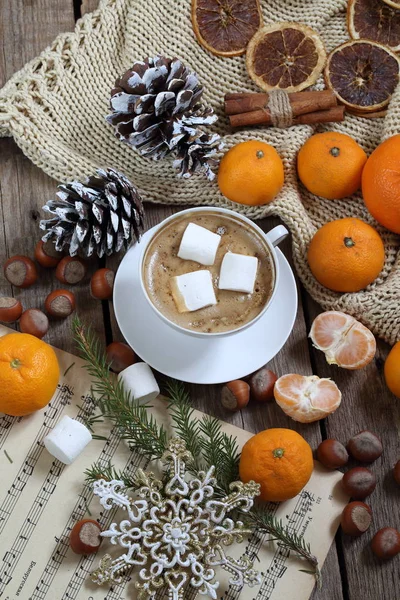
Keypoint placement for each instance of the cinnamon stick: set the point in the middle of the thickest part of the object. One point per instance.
(262, 117)
(332, 115)
(302, 102)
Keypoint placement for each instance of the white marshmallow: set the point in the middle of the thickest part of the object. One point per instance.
(138, 379)
(238, 273)
(199, 244)
(67, 440)
(193, 291)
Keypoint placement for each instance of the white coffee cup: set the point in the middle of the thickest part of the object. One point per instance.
(271, 240)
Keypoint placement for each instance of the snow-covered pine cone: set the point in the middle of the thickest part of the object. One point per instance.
(157, 108)
(102, 215)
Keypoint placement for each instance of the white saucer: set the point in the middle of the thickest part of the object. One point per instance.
(201, 360)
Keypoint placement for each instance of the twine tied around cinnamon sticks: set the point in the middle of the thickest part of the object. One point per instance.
(280, 109)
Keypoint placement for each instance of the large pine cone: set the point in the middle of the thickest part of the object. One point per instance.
(102, 215)
(157, 109)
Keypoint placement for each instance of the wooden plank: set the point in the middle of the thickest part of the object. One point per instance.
(27, 28)
(367, 404)
(88, 6)
(294, 357)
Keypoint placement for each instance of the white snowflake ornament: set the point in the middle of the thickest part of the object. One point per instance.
(176, 532)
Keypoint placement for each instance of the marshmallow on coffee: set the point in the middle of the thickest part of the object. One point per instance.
(238, 273)
(193, 291)
(199, 244)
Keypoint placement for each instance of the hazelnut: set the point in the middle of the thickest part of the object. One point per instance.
(356, 518)
(20, 271)
(332, 454)
(101, 284)
(386, 543)
(71, 270)
(10, 309)
(85, 537)
(396, 472)
(46, 254)
(262, 385)
(60, 304)
(35, 322)
(235, 395)
(120, 356)
(365, 446)
(359, 483)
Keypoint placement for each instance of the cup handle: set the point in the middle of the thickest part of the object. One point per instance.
(277, 235)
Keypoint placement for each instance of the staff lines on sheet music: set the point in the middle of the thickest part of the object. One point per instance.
(77, 513)
(252, 549)
(51, 414)
(84, 566)
(34, 514)
(277, 566)
(6, 423)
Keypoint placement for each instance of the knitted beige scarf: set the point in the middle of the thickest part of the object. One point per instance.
(54, 108)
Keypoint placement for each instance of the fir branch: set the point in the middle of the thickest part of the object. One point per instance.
(264, 522)
(219, 450)
(108, 472)
(184, 422)
(134, 422)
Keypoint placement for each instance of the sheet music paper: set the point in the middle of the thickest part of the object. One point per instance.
(41, 499)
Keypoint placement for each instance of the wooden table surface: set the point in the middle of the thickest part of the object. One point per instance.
(350, 571)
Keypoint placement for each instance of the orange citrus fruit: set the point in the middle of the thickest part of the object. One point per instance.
(280, 460)
(392, 370)
(307, 398)
(346, 255)
(251, 173)
(381, 184)
(345, 341)
(330, 165)
(29, 374)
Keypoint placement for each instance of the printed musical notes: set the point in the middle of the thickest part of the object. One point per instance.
(41, 500)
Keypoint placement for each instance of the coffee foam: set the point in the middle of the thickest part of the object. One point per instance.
(233, 309)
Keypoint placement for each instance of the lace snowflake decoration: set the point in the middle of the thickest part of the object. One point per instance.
(176, 532)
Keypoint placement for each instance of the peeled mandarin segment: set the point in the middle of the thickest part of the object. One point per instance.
(328, 328)
(345, 342)
(307, 398)
(358, 348)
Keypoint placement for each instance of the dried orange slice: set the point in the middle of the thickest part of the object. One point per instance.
(363, 75)
(345, 341)
(392, 3)
(225, 27)
(286, 56)
(307, 398)
(374, 20)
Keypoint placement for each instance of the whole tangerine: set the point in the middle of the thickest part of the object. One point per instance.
(330, 165)
(280, 460)
(346, 255)
(392, 370)
(381, 184)
(251, 173)
(29, 374)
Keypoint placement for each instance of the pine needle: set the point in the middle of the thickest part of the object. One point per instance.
(184, 422)
(264, 522)
(96, 472)
(204, 438)
(134, 422)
